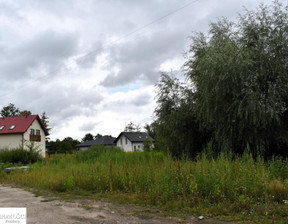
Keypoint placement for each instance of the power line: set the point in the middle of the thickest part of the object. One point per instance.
(110, 43)
(143, 27)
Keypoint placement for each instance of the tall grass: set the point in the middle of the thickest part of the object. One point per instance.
(238, 184)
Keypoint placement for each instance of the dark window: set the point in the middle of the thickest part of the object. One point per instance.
(32, 132)
(37, 132)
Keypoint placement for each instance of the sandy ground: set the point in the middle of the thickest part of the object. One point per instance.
(43, 210)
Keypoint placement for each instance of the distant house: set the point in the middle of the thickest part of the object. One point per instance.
(104, 140)
(132, 141)
(21, 131)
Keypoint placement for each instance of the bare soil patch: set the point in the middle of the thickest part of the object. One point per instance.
(48, 210)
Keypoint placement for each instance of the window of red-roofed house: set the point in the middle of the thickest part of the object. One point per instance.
(12, 127)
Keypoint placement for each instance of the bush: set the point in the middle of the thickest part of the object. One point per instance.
(20, 156)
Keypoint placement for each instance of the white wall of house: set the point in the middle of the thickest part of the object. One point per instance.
(11, 141)
(83, 148)
(138, 146)
(125, 144)
(128, 146)
(40, 146)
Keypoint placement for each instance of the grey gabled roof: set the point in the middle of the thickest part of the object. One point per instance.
(135, 136)
(104, 140)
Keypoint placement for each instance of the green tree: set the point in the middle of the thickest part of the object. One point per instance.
(176, 127)
(25, 113)
(72, 141)
(45, 120)
(10, 111)
(98, 136)
(150, 129)
(239, 72)
(88, 137)
(64, 147)
(132, 127)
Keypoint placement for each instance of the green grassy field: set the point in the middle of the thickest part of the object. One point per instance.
(240, 189)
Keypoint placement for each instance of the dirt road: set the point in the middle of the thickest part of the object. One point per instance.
(41, 210)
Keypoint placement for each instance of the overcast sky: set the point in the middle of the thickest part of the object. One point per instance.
(91, 65)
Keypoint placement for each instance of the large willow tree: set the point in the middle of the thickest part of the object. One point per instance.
(238, 88)
(240, 73)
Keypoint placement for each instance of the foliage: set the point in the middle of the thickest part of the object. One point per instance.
(150, 129)
(132, 127)
(10, 111)
(20, 155)
(67, 145)
(147, 145)
(98, 136)
(88, 137)
(240, 75)
(236, 88)
(214, 187)
(45, 120)
(73, 142)
(176, 125)
(25, 113)
(64, 147)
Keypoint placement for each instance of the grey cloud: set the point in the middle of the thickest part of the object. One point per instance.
(88, 60)
(51, 45)
(9, 11)
(139, 61)
(141, 100)
(59, 102)
(129, 102)
(46, 51)
(88, 127)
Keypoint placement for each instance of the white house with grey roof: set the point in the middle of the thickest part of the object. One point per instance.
(132, 141)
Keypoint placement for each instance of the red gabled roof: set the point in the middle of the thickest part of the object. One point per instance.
(22, 123)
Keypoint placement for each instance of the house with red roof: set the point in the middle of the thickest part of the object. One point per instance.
(21, 131)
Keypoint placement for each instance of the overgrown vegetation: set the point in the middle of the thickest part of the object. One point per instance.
(238, 188)
(20, 156)
(236, 88)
